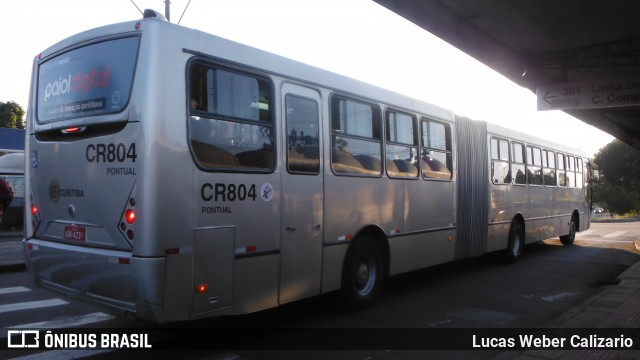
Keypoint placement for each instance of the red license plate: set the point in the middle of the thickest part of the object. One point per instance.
(75, 233)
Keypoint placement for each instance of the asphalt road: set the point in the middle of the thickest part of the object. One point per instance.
(484, 292)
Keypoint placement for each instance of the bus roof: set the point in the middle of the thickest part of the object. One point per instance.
(199, 42)
(532, 140)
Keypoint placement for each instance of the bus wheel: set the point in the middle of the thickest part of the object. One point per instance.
(571, 237)
(516, 241)
(363, 273)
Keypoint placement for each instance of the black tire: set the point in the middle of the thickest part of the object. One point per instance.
(516, 242)
(363, 273)
(571, 237)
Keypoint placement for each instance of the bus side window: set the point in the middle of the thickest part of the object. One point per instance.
(356, 137)
(579, 172)
(402, 145)
(500, 173)
(230, 122)
(571, 171)
(436, 158)
(534, 165)
(549, 164)
(517, 164)
(562, 178)
(303, 143)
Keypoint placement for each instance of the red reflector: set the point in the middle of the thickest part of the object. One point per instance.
(130, 216)
(202, 288)
(72, 130)
(34, 210)
(251, 248)
(124, 261)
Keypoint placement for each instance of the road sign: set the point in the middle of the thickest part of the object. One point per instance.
(589, 95)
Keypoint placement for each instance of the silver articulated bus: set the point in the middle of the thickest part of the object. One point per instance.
(176, 175)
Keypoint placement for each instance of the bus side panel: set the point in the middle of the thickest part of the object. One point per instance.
(355, 202)
(403, 254)
(564, 207)
(540, 207)
(332, 260)
(435, 248)
(255, 283)
(212, 269)
(352, 204)
(538, 229)
(224, 201)
(498, 236)
(431, 206)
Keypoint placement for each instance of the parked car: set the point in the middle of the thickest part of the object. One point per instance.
(12, 170)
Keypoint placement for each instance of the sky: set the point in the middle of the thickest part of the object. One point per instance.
(356, 38)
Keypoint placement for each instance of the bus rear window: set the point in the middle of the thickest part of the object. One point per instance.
(91, 80)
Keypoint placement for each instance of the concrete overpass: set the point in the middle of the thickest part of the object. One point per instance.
(581, 56)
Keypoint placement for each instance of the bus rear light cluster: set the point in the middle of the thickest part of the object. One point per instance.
(35, 214)
(128, 219)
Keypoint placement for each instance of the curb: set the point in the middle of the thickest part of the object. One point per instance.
(623, 220)
(11, 234)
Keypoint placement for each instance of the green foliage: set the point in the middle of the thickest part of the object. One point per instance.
(619, 185)
(11, 115)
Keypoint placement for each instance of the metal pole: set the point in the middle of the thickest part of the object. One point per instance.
(167, 9)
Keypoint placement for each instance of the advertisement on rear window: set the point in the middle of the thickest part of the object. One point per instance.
(91, 80)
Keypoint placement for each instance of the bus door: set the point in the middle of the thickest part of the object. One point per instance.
(302, 195)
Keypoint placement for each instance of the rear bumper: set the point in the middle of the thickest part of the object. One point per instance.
(113, 278)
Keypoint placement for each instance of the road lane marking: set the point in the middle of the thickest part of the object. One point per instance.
(70, 322)
(12, 290)
(607, 241)
(31, 305)
(615, 234)
(586, 233)
(64, 354)
(561, 296)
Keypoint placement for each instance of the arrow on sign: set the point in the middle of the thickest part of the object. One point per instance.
(547, 98)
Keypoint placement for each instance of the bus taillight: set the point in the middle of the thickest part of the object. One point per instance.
(130, 216)
(73, 130)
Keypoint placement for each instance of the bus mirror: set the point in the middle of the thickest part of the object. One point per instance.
(595, 175)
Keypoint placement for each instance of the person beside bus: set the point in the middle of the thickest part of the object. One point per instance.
(6, 196)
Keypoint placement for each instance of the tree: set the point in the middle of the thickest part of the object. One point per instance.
(619, 185)
(11, 115)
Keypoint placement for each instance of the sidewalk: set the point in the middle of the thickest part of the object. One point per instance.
(617, 306)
